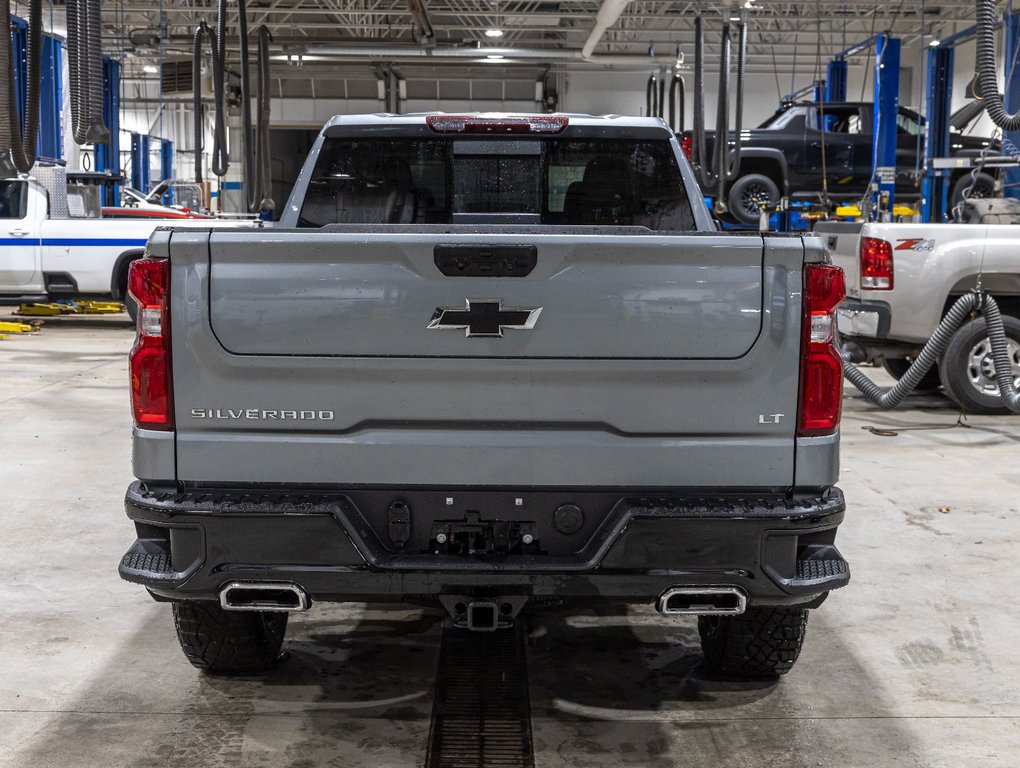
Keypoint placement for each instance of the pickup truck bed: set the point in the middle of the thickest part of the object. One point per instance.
(488, 408)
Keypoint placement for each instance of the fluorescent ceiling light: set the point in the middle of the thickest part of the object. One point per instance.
(494, 56)
(494, 33)
(150, 68)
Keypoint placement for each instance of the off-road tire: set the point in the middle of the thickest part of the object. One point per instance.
(761, 642)
(954, 368)
(982, 185)
(755, 185)
(897, 367)
(223, 642)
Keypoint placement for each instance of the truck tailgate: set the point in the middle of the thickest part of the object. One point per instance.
(306, 357)
(355, 295)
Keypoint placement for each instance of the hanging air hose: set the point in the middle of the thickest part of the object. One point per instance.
(957, 315)
(651, 103)
(262, 157)
(17, 149)
(220, 162)
(988, 85)
(677, 95)
(724, 166)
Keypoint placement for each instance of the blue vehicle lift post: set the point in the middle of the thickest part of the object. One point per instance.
(140, 168)
(835, 80)
(166, 167)
(886, 109)
(108, 155)
(48, 147)
(51, 146)
(935, 188)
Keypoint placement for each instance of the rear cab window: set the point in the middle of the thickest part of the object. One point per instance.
(13, 199)
(553, 181)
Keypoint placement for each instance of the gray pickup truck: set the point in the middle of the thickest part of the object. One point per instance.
(488, 363)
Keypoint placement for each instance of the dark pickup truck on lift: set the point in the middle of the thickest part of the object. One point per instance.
(783, 156)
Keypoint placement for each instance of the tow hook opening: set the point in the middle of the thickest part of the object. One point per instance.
(267, 596)
(702, 601)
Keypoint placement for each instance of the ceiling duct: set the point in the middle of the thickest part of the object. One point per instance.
(609, 13)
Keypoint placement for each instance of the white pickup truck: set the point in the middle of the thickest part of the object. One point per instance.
(44, 257)
(900, 281)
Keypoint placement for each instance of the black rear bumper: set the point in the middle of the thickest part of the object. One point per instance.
(340, 547)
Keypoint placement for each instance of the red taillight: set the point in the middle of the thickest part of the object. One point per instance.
(687, 145)
(821, 370)
(496, 123)
(876, 264)
(151, 390)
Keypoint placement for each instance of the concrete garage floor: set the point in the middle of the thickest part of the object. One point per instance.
(914, 664)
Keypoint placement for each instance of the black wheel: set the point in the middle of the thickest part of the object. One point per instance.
(897, 367)
(967, 369)
(761, 642)
(981, 185)
(228, 642)
(132, 308)
(749, 194)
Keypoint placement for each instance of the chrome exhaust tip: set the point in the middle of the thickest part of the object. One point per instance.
(702, 601)
(263, 596)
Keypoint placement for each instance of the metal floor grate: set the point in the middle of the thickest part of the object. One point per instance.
(481, 717)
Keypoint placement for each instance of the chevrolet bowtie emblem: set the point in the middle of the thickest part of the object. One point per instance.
(484, 317)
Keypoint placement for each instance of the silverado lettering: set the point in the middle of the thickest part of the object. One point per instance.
(255, 413)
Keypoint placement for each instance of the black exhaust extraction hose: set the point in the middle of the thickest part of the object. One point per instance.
(221, 161)
(985, 65)
(219, 153)
(249, 171)
(85, 70)
(201, 31)
(7, 137)
(733, 168)
(96, 131)
(724, 164)
(262, 130)
(650, 108)
(698, 152)
(722, 117)
(74, 71)
(17, 148)
(957, 315)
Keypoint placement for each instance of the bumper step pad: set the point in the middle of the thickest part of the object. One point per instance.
(810, 570)
(149, 562)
